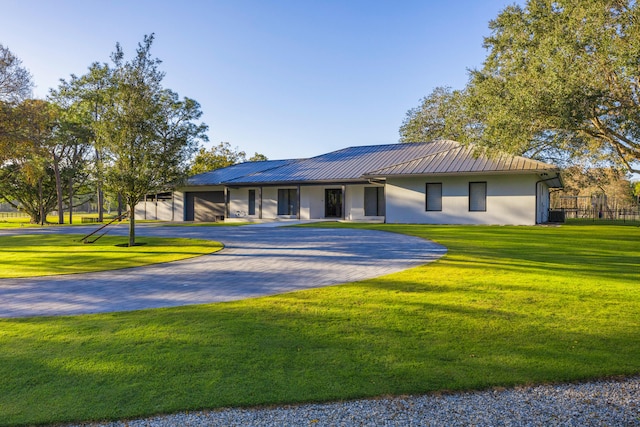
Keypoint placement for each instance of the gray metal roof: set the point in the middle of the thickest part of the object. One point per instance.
(460, 159)
(219, 176)
(348, 164)
(355, 164)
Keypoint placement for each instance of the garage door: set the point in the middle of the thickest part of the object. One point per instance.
(205, 206)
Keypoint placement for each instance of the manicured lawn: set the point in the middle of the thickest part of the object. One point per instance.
(27, 255)
(505, 306)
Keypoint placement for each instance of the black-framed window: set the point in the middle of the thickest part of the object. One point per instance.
(477, 196)
(252, 202)
(287, 201)
(433, 198)
(374, 201)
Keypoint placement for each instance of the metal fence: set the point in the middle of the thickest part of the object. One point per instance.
(595, 214)
(13, 215)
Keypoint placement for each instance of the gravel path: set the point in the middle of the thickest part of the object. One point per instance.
(602, 403)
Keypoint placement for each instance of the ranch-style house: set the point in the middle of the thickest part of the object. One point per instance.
(439, 182)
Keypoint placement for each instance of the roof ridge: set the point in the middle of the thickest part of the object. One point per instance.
(393, 144)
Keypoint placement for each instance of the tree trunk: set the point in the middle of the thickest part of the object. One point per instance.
(132, 224)
(100, 203)
(99, 185)
(70, 200)
(40, 203)
(56, 171)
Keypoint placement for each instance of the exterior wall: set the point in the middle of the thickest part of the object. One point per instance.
(270, 202)
(312, 202)
(162, 210)
(354, 201)
(239, 203)
(511, 199)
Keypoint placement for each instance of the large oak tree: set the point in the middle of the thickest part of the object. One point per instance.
(560, 77)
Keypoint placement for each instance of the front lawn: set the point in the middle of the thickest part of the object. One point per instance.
(28, 255)
(505, 306)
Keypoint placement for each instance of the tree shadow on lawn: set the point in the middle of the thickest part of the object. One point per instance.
(300, 347)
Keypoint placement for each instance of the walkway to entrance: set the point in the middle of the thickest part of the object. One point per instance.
(256, 261)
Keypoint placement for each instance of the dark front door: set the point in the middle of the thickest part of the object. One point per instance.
(332, 203)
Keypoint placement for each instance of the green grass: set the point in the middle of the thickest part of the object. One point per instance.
(505, 306)
(27, 255)
(52, 220)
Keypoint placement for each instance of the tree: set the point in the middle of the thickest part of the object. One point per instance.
(15, 85)
(146, 133)
(88, 95)
(562, 75)
(15, 80)
(440, 116)
(69, 150)
(221, 156)
(27, 179)
(257, 157)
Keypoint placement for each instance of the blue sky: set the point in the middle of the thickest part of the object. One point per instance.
(285, 78)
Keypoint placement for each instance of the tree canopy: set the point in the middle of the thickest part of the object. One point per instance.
(221, 156)
(15, 86)
(146, 133)
(15, 80)
(440, 116)
(560, 77)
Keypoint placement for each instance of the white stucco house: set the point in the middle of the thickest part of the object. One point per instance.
(439, 182)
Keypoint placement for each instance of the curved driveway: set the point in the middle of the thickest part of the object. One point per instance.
(256, 261)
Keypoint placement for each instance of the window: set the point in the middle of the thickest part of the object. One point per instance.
(477, 196)
(374, 201)
(434, 196)
(287, 201)
(252, 202)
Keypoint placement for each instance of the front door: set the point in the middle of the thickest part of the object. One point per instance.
(332, 203)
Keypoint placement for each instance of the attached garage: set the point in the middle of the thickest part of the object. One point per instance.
(205, 206)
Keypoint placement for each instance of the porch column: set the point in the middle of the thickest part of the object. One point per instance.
(298, 202)
(226, 202)
(344, 201)
(259, 202)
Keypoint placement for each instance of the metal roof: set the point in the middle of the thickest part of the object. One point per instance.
(460, 159)
(371, 161)
(220, 176)
(348, 164)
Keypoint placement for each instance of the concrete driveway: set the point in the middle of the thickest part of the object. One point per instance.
(256, 261)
